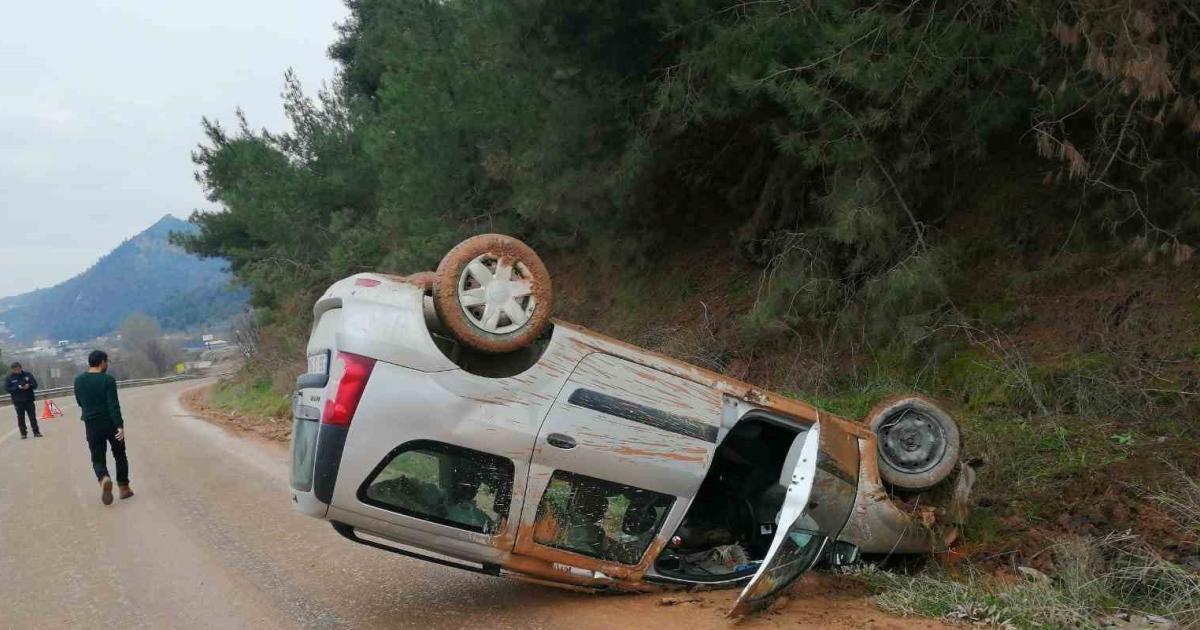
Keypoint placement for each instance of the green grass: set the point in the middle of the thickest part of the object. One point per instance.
(1027, 453)
(983, 528)
(1096, 578)
(853, 404)
(254, 397)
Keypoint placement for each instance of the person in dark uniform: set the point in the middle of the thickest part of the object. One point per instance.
(96, 393)
(21, 385)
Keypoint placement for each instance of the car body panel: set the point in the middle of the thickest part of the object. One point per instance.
(403, 405)
(385, 322)
(654, 432)
(637, 418)
(877, 524)
(307, 404)
(627, 435)
(835, 484)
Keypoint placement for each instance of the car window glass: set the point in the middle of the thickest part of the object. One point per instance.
(599, 518)
(444, 484)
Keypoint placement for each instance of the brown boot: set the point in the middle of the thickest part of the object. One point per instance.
(106, 491)
(125, 491)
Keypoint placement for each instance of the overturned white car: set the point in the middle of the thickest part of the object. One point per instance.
(444, 416)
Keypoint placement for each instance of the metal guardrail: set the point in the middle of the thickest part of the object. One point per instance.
(58, 392)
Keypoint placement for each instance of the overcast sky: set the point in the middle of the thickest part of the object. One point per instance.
(100, 107)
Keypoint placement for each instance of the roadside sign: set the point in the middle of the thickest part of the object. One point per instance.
(180, 368)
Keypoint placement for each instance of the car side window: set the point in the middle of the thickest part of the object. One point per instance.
(444, 484)
(599, 518)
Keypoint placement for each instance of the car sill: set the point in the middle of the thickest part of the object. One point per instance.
(348, 532)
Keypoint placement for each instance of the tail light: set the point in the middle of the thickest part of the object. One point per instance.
(356, 370)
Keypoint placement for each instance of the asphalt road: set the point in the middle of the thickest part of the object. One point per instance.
(210, 541)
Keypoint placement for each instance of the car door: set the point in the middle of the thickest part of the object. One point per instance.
(798, 543)
(617, 462)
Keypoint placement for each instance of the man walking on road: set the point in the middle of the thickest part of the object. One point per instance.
(21, 385)
(96, 393)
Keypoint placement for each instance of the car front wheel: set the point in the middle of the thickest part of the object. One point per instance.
(919, 443)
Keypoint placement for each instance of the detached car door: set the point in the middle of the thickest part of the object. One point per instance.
(798, 543)
(617, 462)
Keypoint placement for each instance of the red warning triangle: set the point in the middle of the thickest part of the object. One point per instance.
(50, 410)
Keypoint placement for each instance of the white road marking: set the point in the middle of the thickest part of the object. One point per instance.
(5, 437)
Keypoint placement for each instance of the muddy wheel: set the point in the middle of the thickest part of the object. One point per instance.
(919, 444)
(492, 292)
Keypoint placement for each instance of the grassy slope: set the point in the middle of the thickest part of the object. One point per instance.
(252, 396)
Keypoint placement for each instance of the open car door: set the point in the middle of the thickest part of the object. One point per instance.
(798, 543)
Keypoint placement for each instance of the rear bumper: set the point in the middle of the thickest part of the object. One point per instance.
(316, 457)
(330, 442)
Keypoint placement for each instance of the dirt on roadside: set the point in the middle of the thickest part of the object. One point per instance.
(817, 601)
(197, 402)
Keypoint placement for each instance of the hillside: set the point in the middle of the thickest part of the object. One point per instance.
(145, 274)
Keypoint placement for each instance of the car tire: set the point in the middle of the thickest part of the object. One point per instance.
(919, 443)
(493, 294)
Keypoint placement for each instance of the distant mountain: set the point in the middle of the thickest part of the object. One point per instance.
(145, 274)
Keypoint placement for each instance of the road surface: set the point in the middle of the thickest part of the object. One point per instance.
(210, 541)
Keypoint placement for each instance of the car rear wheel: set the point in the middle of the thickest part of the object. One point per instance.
(493, 293)
(919, 443)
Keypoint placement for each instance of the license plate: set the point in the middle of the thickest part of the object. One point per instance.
(318, 363)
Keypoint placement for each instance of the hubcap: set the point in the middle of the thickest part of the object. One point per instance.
(912, 442)
(496, 294)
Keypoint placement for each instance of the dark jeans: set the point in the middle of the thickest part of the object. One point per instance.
(100, 436)
(27, 408)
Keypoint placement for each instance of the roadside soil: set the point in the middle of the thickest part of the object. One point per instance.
(817, 600)
(197, 402)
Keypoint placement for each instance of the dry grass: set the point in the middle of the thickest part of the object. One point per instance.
(1096, 578)
(1182, 502)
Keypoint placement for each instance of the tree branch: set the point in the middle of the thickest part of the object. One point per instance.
(879, 164)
